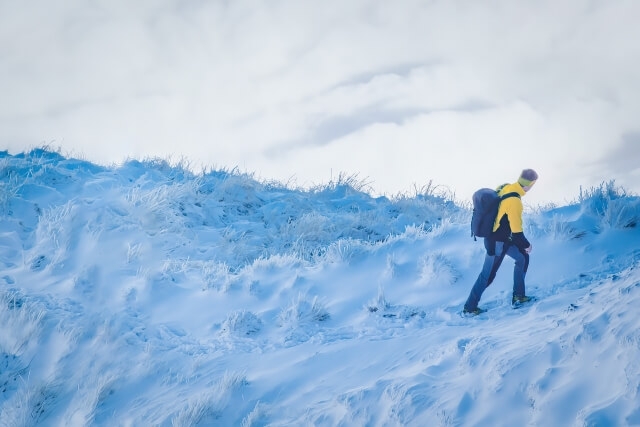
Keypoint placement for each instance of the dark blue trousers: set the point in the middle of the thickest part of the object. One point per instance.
(490, 268)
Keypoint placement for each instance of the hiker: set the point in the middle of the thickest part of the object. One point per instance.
(507, 238)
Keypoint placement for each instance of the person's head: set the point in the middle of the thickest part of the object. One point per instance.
(528, 177)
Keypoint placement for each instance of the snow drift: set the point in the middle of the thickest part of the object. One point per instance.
(145, 294)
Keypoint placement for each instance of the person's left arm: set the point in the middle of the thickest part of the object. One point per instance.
(514, 214)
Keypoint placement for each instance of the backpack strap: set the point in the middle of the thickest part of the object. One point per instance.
(512, 194)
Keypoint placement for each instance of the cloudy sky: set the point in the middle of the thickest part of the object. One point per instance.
(464, 93)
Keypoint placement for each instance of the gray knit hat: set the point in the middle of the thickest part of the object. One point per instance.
(527, 177)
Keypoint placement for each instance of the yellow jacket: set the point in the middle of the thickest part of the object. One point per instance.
(508, 223)
(512, 207)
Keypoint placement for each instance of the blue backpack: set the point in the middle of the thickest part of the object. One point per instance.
(485, 210)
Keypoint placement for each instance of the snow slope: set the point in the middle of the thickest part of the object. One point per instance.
(145, 294)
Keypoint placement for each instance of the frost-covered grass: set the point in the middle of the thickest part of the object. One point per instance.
(146, 294)
(611, 203)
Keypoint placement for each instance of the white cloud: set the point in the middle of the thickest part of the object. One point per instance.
(398, 92)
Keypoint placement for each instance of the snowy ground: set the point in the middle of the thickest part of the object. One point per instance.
(146, 295)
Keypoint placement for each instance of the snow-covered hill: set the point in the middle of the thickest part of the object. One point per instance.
(145, 294)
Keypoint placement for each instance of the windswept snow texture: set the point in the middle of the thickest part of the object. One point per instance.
(145, 294)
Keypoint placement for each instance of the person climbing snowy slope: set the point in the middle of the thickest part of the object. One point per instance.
(507, 238)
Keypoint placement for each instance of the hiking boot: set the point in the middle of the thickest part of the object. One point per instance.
(520, 299)
(474, 312)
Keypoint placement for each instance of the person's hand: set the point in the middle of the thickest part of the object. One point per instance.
(528, 250)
